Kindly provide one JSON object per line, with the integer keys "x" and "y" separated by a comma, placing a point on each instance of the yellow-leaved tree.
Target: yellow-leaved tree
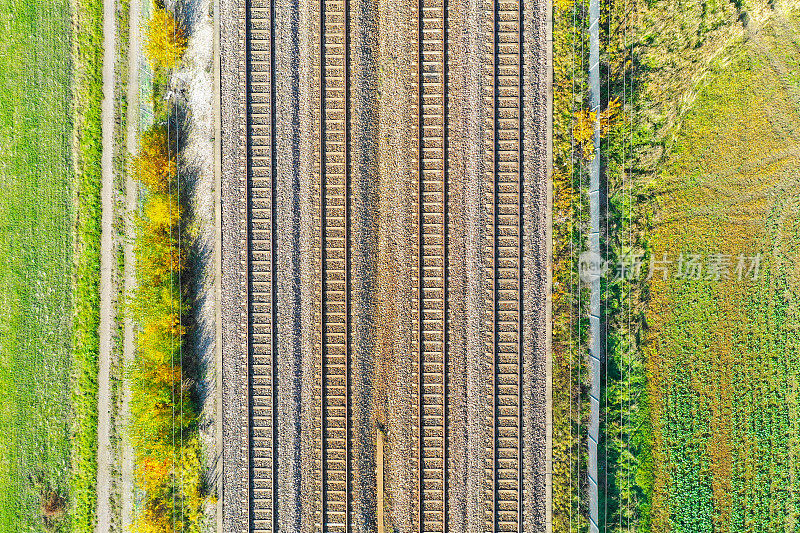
{"x": 155, "y": 165}
{"x": 583, "y": 127}
{"x": 163, "y": 212}
{"x": 166, "y": 40}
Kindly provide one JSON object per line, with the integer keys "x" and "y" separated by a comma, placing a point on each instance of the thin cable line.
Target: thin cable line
{"x": 172, "y": 296}
{"x": 630, "y": 241}
{"x": 581, "y": 231}
{"x": 624, "y": 371}
{"x": 571, "y": 276}
{"x": 580, "y": 307}
{"x": 624, "y": 405}
{"x": 603, "y": 316}
{"x": 180, "y": 292}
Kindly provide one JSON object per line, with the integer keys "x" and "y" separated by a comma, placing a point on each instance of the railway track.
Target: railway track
{"x": 432, "y": 315}
{"x": 335, "y": 216}
{"x": 261, "y": 195}
{"x": 323, "y": 461}
{"x": 508, "y": 256}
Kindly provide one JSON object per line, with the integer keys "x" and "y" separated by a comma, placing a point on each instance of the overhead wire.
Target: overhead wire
{"x": 629, "y": 129}
{"x": 625, "y": 408}
{"x": 572, "y": 260}
{"x": 624, "y": 370}
{"x": 180, "y": 279}
{"x": 578, "y": 281}
{"x": 602, "y": 315}
{"x": 170, "y": 179}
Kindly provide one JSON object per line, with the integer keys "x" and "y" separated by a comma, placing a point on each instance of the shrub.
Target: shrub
{"x": 163, "y": 212}
{"x": 155, "y": 166}
{"x": 166, "y": 40}
{"x": 583, "y": 130}
{"x": 53, "y": 508}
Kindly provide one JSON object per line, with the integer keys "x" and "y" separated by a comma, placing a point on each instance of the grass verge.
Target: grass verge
{"x": 88, "y": 46}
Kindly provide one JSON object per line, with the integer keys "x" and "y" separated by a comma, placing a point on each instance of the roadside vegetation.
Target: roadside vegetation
{"x": 570, "y": 400}
{"x": 165, "y": 408}
{"x": 698, "y": 401}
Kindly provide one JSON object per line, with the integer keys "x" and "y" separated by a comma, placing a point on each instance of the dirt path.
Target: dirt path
{"x": 107, "y": 246}
{"x": 131, "y": 204}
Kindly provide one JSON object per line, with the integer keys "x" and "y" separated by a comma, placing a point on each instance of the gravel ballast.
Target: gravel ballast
{"x": 383, "y": 261}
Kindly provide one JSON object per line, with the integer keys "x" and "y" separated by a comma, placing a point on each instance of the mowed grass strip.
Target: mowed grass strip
{"x": 722, "y": 354}
{"x": 36, "y": 263}
{"x": 88, "y": 51}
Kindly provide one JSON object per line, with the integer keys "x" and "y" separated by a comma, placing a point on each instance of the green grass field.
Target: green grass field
{"x": 36, "y": 229}
{"x": 49, "y": 264}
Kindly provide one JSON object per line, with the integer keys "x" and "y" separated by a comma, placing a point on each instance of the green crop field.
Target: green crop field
{"x": 722, "y": 355}
{"x": 36, "y": 257}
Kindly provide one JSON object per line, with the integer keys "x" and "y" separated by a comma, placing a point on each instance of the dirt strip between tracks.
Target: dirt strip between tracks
{"x": 234, "y": 309}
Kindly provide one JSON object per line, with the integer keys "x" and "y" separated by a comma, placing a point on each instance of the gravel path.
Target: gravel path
{"x": 107, "y": 262}
{"x": 298, "y": 263}
{"x": 537, "y": 164}
{"x": 469, "y": 210}
{"x": 364, "y": 241}
{"x": 292, "y": 161}
{"x": 195, "y": 82}
{"x": 396, "y": 268}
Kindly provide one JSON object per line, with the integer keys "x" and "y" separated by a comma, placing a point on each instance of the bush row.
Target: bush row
{"x": 164, "y": 405}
